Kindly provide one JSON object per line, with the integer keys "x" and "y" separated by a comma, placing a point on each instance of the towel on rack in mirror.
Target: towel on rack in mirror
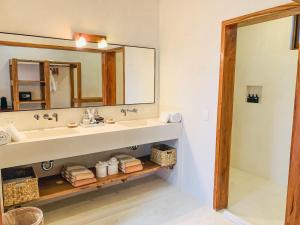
{"x": 53, "y": 85}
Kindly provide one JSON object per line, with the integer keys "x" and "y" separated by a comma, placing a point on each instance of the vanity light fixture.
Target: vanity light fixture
{"x": 102, "y": 44}
{"x": 82, "y": 40}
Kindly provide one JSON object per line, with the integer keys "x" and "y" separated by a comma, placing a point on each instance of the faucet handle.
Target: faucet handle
{"x": 55, "y": 115}
{"x": 124, "y": 112}
{"x": 134, "y": 110}
{"x": 47, "y": 117}
{"x": 36, "y": 116}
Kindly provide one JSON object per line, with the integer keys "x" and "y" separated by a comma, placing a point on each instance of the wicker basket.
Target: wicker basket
{"x": 19, "y": 186}
{"x": 24, "y": 216}
{"x": 163, "y": 155}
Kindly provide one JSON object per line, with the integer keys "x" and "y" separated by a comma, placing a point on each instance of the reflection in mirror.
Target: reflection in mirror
{"x": 36, "y": 76}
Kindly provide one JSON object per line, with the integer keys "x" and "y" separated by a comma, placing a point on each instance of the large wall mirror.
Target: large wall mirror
{"x": 49, "y": 73}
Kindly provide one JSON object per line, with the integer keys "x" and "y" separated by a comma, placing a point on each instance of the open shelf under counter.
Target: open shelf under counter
{"x": 55, "y": 187}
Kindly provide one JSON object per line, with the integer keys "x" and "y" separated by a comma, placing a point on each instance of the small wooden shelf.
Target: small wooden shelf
{"x": 33, "y": 102}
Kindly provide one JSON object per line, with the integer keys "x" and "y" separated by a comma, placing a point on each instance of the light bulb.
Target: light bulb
{"x": 102, "y": 43}
{"x": 81, "y": 42}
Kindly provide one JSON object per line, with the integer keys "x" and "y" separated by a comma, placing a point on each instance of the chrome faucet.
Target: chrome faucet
{"x": 134, "y": 110}
{"x": 124, "y": 112}
{"x": 55, "y": 115}
{"x": 47, "y": 117}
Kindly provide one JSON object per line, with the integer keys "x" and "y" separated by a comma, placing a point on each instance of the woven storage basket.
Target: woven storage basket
{"x": 19, "y": 186}
{"x": 24, "y": 216}
{"x": 163, "y": 155}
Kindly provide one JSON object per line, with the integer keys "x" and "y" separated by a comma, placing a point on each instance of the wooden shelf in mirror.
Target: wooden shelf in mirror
{"x": 32, "y": 82}
{"x": 33, "y": 102}
{"x": 26, "y": 61}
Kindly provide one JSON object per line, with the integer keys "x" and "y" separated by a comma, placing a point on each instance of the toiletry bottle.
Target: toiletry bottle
{"x": 249, "y": 98}
{"x": 3, "y": 103}
{"x": 86, "y": 118}
{"x": 256, "y": 99}
{"x": 253, "y": 98}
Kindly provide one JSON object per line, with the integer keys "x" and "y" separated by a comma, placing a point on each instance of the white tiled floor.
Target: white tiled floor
{"x": 146, "y": 201}
{"x": 255, "y": 199}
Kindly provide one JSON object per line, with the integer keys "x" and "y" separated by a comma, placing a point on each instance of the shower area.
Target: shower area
{"x": 264, "y": 94}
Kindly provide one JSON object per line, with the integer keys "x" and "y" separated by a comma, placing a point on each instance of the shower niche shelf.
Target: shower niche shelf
{"x": 254, "y": 94}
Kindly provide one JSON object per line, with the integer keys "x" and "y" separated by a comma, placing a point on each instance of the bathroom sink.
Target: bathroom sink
{"x": 138, "y": 123}
{"x": 44, "y": 133}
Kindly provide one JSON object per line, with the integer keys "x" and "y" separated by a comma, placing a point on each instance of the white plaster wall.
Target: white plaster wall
{"x": 261, "y": 137}
{"x": 133, "y": 22}
{"x": 129, "y": 22}
{"x": 190, "y": 34}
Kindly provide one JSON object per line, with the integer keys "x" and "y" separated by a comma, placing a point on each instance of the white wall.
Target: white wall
{"x": 190, "y": 34}
{"x": 133, "y": 22}
{"x": 261, "y": 135}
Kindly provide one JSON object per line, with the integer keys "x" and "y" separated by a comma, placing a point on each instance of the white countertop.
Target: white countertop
{"x": 59, "y": 143}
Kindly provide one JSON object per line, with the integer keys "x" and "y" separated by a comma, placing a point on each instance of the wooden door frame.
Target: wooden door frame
{"x": 225, "y": 112}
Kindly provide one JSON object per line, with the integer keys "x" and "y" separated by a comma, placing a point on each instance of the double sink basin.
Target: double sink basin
{"x": 65, "y": 131}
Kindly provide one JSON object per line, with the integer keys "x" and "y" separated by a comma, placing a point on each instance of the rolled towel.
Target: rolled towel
{"x": 170, "y": 117}
{"x": 164, "y": 117}
{"x": 14, "y": 133}
{"x": 175, "y": 117}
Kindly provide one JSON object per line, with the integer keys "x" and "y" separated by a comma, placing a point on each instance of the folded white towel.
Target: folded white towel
{"x": 164, "y": 117}
{"x": 14, "y": 133}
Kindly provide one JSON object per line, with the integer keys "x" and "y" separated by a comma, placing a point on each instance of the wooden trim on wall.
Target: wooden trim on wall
{"x": 293, "y": 196}
{"x": 225, "y": 113}
{"x": 274, "y": 13}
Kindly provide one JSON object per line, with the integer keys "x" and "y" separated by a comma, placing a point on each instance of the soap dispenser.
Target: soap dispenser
{"x": 86, "y": 118}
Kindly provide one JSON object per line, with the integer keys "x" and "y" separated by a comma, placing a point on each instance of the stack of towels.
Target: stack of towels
{"x": 129, "y": 164}
{"x": 78, "y": 175}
